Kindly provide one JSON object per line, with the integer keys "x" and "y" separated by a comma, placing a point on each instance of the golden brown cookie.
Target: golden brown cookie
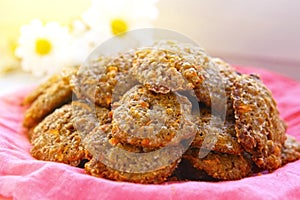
{"x": 259, "y": 128}
{"x": 162, "y": 71}
{"x": 290, "y": 150}
{"x": 189, "y": 52}
{"x": 104, "y": 80}
{"x": 41, "y": 89}
{"x": 215, "y": 134}
{"x": 219, "y": 165}
{"x": 147, "y": 119}
{"x": 47, "y": 97}
{"x": 58, "y": 137}
{"x": 128, "y": 164}
{"x": 217, "y": 86}
{"x": 218, "y": 76}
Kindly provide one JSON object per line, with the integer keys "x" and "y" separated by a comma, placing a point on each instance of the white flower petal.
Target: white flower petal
{"x": 136, "y": 14}
{"x": 59, "y": 55}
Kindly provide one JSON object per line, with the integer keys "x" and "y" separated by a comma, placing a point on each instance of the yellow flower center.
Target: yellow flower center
{"x": 118, "y": 26}
{"x": 43, "y": 46}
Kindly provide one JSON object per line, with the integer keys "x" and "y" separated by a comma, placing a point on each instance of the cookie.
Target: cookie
{"x": 59, "y": 136}
{"x": 216, "y": 89}
{"x": 162, "y": 71}
{"x": 47, "y": 97}
{"x": 218, "y": 76}
{"x": 219, "y": 165}
{"x": 147, "y": 119}
{"x": 290, "y": 150}
{"x": 192, "y": 53}
{"x": 259, "y": 128}
{"x": 128, "y": 163}
{"x": 104, "y": 80}
{"x": 215, "y": 134}
{"x": 30, "y": 98}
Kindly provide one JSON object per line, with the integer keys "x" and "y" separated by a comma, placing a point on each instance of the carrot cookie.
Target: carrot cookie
{"x": 104, "y": 80}
{"x": 128, "y": 164}
{"x": 162, "y": 71}
{"x": 215, "y": 134}
{"x": 220, "y": 166}
{"x": 58, "y": 137}
{"x": 47, "y": 97}
{"x": 259, "y": 128}
{"x": 151, "y": 120}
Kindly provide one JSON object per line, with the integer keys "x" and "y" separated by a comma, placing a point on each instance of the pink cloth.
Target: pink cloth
{"x": 23, "y": 177}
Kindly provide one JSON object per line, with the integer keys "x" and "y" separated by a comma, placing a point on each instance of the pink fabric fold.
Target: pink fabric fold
{"x": 23, "y": 177}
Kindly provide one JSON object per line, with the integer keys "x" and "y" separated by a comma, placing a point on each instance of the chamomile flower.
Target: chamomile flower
{"x": 44, "y": 48}
{"x": 116, "y": 17}
{"x": 82, "y": 44}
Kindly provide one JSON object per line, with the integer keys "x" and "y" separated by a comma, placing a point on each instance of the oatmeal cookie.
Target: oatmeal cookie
{"x": 58, "y": 137}
{"x": 104, "y": 80}
{"x": 130, "y": 163}
{"x": 47, "y": 97}
{"x": 192, "y": 53}
{"x": 215, "y": 134}
{"x": 217, "y": 86}
{"x": 218, "y": 76}
{"x": 147, "y": 119}
{"x": 259, "y": 128}
{"x": 162, "y": 71}
{"x": 30, "y": 98}
{"x": 220, "y": 166}
{"x": 290, "y": 150}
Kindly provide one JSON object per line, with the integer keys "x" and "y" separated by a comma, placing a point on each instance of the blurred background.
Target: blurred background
{"x": 260, "y": 33}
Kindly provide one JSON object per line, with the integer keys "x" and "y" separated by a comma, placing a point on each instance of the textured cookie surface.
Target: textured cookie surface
{"x": 50, "y": 95}
{"x": 128, "y": 163}
{"x": 59, "y": 136}
{"x": 161, "y": 71}
{"x": 144, "y": 118}
{"x": 218, "y": 76}
{"x": 215, "y": 134}
{"x": 290, "y": 150}
{"x": 104, "y": 80}
{"x": 258, "y": 125}
{"x": 219, "y": 165}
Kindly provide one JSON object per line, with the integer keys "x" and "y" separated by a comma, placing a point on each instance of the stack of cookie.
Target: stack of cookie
{"x": 159, "y": 113}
